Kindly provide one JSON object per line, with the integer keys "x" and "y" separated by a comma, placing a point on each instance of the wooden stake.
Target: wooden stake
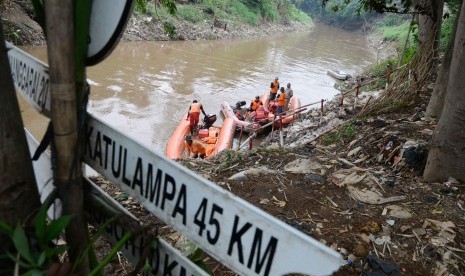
{"x": 67, "y": 175}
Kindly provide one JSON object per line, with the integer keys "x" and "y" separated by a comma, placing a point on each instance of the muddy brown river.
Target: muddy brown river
{"x": 143, "y": 88}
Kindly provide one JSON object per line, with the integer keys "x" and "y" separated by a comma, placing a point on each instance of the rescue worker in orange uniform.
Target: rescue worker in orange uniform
{"x": 274, "y": 89}
{"x": 255, "y": 103}
{"x": 281, "y": 101}
{"x": 193, "y": 114}
{"x": 260, "y": 115}
{"x": 194, "y": 148}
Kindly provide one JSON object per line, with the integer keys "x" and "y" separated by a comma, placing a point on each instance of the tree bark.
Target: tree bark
{"x": 429, "y": 28}
{"x": 447, "y": 151}
{"x": 19, "y": 197}
{"x": 436, "y": 102}
{"x": 67, "y": 175}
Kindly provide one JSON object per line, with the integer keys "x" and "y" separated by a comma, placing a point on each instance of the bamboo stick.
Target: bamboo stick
{"x": 67, "y": 174}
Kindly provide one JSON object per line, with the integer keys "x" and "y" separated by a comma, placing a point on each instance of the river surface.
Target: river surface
{"x": 144, "y": 88}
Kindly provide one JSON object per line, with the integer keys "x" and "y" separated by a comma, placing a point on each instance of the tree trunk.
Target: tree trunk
{"x": 67, "y": 175}
{"x": 429, "y": 28}
{"x": 429, "y": 25}
{"x": 446, "y": 156}
{"x": 19, "y": 197}
{"x": 436, "y": 101}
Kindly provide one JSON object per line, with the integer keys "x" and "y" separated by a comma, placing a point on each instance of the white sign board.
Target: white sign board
{"x": 44, "y": 175}
{"x": 162, "y": 258}
{"x": 31, "y": 77}
{"x": 240, "y": 235}
{"x": 107, "y": 22}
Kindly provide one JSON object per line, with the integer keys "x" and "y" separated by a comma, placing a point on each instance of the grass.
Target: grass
{"x": 235, "y": 12}
{"x": 190, "y": 13}
{"x": 396, "y": 33}
{"x": 229, "y": 158}
{"x": 395, "y": 28}
{"x": 245, "y": 14}
{"x": 300, "y": 16}
{"x": 343, "y": 133}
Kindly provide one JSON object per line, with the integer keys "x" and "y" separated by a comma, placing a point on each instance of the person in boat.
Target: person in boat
{"x": 193, "y": 114}
{"x": 194, "y": 149}
{"x": 254, "y": 104}
{"x": 260, "y": 115}
{"x": 272, "y": 107}
{"x": 289, "y": 94}
{"x": 281, "y": 101}
{"x": 274, "y": 87}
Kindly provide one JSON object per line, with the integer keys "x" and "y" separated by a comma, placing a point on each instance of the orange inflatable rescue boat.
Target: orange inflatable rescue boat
{"x": 213, "y": 138}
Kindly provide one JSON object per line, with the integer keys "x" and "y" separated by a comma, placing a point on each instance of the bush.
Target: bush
{"x": 380, "y": 71}
{"x": 269, "y": 11}
{"x": 396, "y": 33}
{"x": 300, "y": 16}
{"x": 244, "y": 14}
{"x": 210, "y": 10}
{"x": 446, "y": 32}
{"x": 394, "y": 19}
{"x": 220, "y": 4}
{"x": 190, "y": 13}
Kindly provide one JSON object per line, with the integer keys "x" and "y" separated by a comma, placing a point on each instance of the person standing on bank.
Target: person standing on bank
{"x": 289, "y": 94}
{"x": 281, "y": 101}
{"x": 193, "y": 114}
{"x": 274, "y": 89}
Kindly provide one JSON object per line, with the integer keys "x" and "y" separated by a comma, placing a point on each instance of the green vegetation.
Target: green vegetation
{"x": 190, "y": 13}
{"x": 344, "y": 133}
{"x": 35, "y": 258}
{"x": 346, "y": 14}
{"x": 446, "y": 32}
{"x": 229, "y": 158}
{"x": 396, "y": 32}
{"x": 300, "y": 16}
{"x": 232, "y": 12}
{"x": 240, "y": 10}
{"x": 11, "y": 32}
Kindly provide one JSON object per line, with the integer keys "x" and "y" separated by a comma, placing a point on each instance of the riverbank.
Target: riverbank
{"x": 352, "y": 182}
{"x": 21, "y": 29}
{"x": 355, "y": 184}
{"x": 146, "y": 28}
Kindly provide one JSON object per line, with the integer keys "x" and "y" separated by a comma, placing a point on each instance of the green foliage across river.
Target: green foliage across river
{"x": 234, "y": 12}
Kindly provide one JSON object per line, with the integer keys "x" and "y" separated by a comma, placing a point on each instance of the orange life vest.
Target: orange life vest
{"x": 275, "y": 87}
{"x": 282, "y": 99}
{"x": 195, "y": 107}
{"x": 196, "y": 147}
{"x": 255, "y": 104}
{"x": 210, "y": 140}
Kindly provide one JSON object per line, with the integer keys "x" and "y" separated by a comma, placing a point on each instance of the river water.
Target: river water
{"x": 143, "y": 88}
